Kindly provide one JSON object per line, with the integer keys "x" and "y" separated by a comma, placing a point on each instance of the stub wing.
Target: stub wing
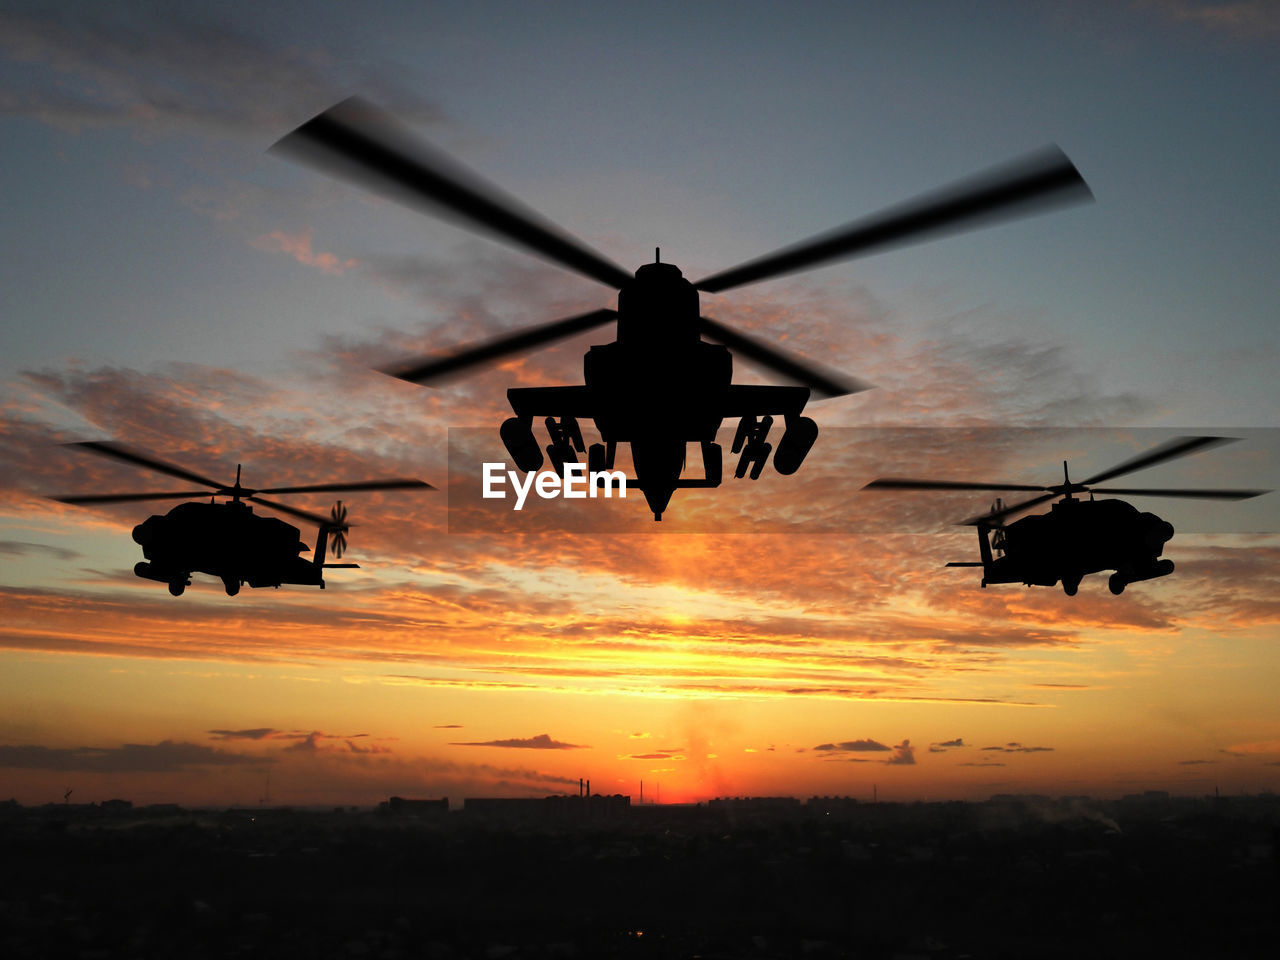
{"x": 558, "y": 402}
{"x": 749, "y": 400}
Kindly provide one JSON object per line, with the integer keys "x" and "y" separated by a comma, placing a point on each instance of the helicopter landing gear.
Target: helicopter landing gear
{"x": 232, "y": 585}
{"x": 176, "y": 587}
{"x": 1116, "y": 584}
{"x": 1070, "y": 585}
{"x": 566, "y": 441}
{"x": 750, "y": 441}
{"x": 600, "y": 457}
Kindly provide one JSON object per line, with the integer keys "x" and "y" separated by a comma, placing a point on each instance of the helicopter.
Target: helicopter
{"x": 228, "y": 540}
{"x": 659, "y": 385}
{"x": 1077, "y": 537}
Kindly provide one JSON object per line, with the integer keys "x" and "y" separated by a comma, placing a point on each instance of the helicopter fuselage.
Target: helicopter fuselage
{"x": 658, "y": 387}
{"x": 1077, "y": 538}
{"x": 224, "y": 540}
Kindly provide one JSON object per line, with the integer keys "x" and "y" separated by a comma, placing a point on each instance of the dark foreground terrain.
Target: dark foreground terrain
{"x": 743, "y": 879}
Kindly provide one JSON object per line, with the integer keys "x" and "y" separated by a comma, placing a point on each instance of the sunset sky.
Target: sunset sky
{"x": 170, "y": 284}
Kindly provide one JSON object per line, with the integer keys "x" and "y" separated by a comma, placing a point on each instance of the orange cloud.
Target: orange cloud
{"x": 298, "y": 246}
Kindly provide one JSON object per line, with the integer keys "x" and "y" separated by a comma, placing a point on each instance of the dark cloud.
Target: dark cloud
{"x": 972, "y": 763}
{"x": 448, "y": 726}
{"x": 308, "y": 744}
{"x": 257, "y": 733}
{"x": 167, "y": 756}
{"x": 904, "y": 755}
{"x": 1194, "y": 763}
{"x": 1017, "y": 748}
{"x": 654, "y": 756}
{"x": 541, "y": 742}
{"x": 21, "y": 548}
{"x": 100, "y": 65}
{"x": 946, "y": 745}
{"x": 856, "y": 746}
{"x": 354, "y": 747}
{"x": 311, "y": 743}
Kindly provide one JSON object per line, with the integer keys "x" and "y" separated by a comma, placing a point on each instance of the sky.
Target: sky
{"x": 168, "y": 283}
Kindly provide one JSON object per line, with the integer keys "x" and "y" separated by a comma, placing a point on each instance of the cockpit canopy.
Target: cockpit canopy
{"x": 659, "y": 306}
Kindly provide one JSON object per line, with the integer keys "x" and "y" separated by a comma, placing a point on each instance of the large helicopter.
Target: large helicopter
{"x": 659, "y": 385}
{"x": 228, "y": 540}
{"x": 1077, "y": 536}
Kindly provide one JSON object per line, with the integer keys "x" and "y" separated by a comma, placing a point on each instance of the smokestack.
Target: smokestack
{"x": 579, "y": 788}
{"x": 642, "y": 791}
{"x": 588, "y": 789}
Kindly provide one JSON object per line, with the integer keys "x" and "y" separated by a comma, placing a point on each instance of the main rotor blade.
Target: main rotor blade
{"x": 902, "y": 483}
{"x": 359, "y": 485}
{"x": 356, "y": 141}
{"x": 1169, "y": 450}
{"x": 117, "y": 451}
{"x": 823, "y": 383}
{"x": 285, "y": 508}
{"x": 993, "y": 515}
{"x": 1025, "y": 186}
{"x": 127, "y": 497}
{"x": 438, "y": 368}
{"x": 1202, "y": 494}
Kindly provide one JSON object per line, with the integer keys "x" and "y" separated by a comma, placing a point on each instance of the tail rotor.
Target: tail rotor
{"x": 337, "y": 529}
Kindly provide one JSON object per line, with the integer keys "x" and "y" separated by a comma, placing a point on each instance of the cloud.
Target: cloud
{"x": 257, "y": 733}
{"x": 21, "y": 548}
{"x": 375, "y": 748}
{"x": 541, "y": 742}
{"x": 1254, "y": 748}
{"x": 1242, "y": 19}
{"x": 448, "y": 726}
{"x": 946, "y": 745}
{"x": 903, "y": 755}
{"x": 714, "y": 617}
{"x": 972, "y": 763}
{"x": 97, "y": 66}
{"x": 298, "y": 246}
{"x": 1193, "y": 763}
{"x": 1017, "y": 748}
{"x": 314, "y": 743}
{"x": 857, "y": 746}
{"x": 167, "y": 756}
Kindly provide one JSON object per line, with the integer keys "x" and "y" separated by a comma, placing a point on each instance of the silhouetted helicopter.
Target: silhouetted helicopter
{"x": 1077, "y": 537}
{"x": 659, "y": 385}
{"x": 228, "y": 540}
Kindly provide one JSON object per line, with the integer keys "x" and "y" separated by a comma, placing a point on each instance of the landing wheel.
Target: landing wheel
{"x": 176, "y": 587}
{"x": 1070, "y": 586}
{"x": 231, "y": 585}
{"x": 1116, "y": 584}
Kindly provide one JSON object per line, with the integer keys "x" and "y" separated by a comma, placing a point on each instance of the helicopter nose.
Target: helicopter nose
{"x": 657, "y": 498}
